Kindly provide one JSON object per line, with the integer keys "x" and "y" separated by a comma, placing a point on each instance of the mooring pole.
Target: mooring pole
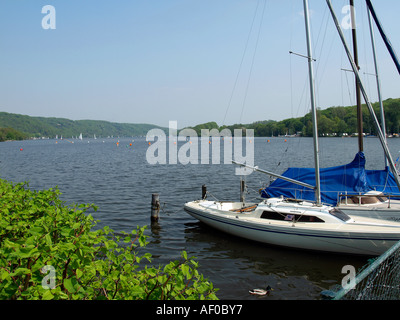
{"x": 155, "y": 206}
{"x": 242, "y": 189}
{"x": 203, "y": 192}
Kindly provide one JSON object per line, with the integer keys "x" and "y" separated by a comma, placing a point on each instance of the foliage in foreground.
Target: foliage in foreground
{"x": 48, "y": 250}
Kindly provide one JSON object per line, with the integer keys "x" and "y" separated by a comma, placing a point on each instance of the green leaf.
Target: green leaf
{"x": 36, "y": 231}
{"x": 79, "y": 273}
{"x": 68, "y": 284}
{"x": 151, "y": 272}
{"x": 66, "y": 232}
{"x": 184, "y": 255}
{"x": 21, "y": 271}
{"x": 76, "y": 225}
{"x": 47, "y": 295}
{"x": 48, "y": 239}
{"x": 5, "y": 275}
{"x": 185, "y": 270}
{"x": 27, "y": 252}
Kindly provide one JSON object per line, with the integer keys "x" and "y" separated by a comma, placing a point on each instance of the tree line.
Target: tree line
{"x": 11, "y": 134}
{"x": 32, "y": 127}
{"x": 333, "y": 121}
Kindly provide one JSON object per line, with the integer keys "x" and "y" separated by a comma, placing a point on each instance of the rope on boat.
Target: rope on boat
{"x": 162, "y": 208}
{"x": 215, "y": 198}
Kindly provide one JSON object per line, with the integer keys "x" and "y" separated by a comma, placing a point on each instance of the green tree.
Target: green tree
{"x": 325, "y": 125}
{"x": 11, "y": 134}
{"x": 341, "y": 127}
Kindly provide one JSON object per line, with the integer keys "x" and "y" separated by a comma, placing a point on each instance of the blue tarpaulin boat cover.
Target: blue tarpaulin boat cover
{"x": 351, "y": 178}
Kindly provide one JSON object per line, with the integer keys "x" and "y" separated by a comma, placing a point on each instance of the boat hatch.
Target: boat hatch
{"x": 273, "y": 215}
{"x": 339, "y": 214}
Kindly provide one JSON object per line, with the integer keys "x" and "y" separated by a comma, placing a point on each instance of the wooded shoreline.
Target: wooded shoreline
{"x": 333, "y": 122}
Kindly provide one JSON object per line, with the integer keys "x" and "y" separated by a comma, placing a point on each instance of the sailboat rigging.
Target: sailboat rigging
{"x": 378, "y": 83}
{"x": 382, "y": 138}
{"x": 313, "y": 108}
{"x": 299, "y": 224}
{"x": 351, "y": 182}
{"x": 388, "y": 44}
{"x": 358, "y": 91}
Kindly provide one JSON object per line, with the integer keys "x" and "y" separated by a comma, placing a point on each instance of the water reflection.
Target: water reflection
{"x": 293, "y": 274}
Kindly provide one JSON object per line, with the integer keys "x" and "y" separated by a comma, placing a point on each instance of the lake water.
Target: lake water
{"x": 119, "y": 180}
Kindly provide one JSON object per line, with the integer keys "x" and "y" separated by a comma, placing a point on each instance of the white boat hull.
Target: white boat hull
{"x": 378, "y": 212}
{"x": 324, "y": 237}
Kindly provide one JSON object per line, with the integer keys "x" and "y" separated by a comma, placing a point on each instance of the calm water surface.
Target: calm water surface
{"x": 118, "y": 179}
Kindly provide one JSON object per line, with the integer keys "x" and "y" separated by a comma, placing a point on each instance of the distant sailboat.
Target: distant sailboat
{"x": 80, "y": 137}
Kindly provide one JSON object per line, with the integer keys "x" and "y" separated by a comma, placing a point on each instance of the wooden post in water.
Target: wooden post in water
{"x": 242, "y": 190}
{"x": 203, "y": 192}
{"x": 155, "y": 206}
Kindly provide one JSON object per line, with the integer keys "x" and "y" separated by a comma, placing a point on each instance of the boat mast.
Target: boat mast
{"x": 385, "y": 39}
{"x": 378, "y": 83}
{"x": 358, "y": 91}
{"x": 364, "y": 93}
{"x": 313, "y": 109}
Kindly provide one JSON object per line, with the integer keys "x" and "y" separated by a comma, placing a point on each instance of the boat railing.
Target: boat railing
{"x": 345, "y": 198}
{"x": 362, "y": 198}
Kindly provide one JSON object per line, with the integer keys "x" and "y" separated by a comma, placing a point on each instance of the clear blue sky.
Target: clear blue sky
{"x": 151, "y": 61}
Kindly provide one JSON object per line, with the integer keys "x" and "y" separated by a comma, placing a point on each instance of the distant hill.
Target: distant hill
{"x": 50, "y": 127}
{"x": 333, "y": 121}
{"x": 207, "y": 125}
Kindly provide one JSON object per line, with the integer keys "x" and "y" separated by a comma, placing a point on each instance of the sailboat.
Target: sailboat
{"x": 299, "y": 224}
{"x": 352, "y": 188}
{"x": 375, "y": 203}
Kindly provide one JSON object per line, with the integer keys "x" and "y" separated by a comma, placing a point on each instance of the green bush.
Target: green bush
{"x": 49, "y": 250}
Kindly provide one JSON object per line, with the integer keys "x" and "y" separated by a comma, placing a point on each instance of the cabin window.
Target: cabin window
{"x": 339, "y": 214}
{"x": 272, "y": 215}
